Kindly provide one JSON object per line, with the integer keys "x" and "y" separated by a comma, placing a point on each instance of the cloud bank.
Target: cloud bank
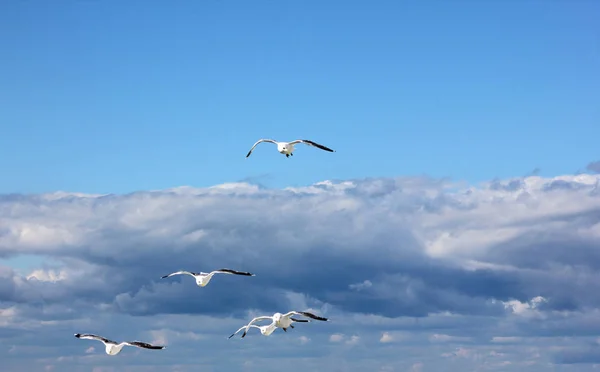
{"x": 416, "y": 274}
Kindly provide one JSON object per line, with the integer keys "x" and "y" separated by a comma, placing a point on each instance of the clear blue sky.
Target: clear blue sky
{"x": 117, "y": 96}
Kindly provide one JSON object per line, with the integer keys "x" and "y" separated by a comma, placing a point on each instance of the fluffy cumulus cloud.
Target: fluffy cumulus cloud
{"x": 416, "y": 274}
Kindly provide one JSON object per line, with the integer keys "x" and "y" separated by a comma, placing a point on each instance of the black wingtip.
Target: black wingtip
{"x": 77, "y": 335}
{"x": 319, "y": 145}
{"x": 230, "y": 271}
{"x": 314, "y": 316}
{"x": 301, "y": 320}
{"x": 164, "y": 276}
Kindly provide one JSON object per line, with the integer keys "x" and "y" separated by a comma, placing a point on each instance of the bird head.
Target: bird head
{"x": 266, "y": 330}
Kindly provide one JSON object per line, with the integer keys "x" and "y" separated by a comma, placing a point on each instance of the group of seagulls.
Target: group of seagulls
{"x": 277, "y": 320}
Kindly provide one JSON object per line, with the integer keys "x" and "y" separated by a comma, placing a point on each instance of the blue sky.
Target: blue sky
{"x": 111, "y": 96}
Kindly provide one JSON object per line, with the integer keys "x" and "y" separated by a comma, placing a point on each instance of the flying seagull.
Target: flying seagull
{"x": 202, "y": 278}
{"x": 265, "y": 330}
{"x": 284, "y": 321}
{"x": 112, "y": 348}
{"x": 287, "y": 148}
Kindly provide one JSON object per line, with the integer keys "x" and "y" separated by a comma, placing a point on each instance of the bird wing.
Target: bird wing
{"x": 238, "y": 331}
{"x": 250, "y": 324}
{"x": 259, "y": 141}
{"x": 259, "y": 318}
{"x": 308, "y": 315}
{"x": 311, "y": 143}
{"x": 245, "y": 328}
{"x": 229, "y": 271}
{"x": 181, "y": 272}
{"x": 89, "y": 336}
{"x": 144, "y": 345}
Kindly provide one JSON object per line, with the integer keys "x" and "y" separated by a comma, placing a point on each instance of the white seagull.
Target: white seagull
{"x": 112, "y": 348}
{"x": 265, "y": 330}
{"x": 287, "y": 148}
{"x": 202, "y": 278}
{"x": 284, "y": 321}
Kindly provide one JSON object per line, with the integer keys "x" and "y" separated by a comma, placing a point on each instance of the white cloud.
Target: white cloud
{"x": 499, "y": 339}
{"x": 417, "y": 367}
{"x": 386, "y": 337}
{"x": 340, "y": 337}
{"x": 337, "y": 337}
{"x": 48, "y": 275}
{"x": 460, "y": 352}
{"x": 361, "y": 286}
{"x": 420, "y": 260}
{"x": 353, "y": 340}
{"x": 447, "y": 338}
{"x": 303, "y": 340}
{"x": 525, "y": 309}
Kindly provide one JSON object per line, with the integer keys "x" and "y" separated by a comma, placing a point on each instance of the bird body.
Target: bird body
{"x": 113, "y": 348}
{"x": 283, "y": 322}
{"x": 202, "y": 278}
{"x": 287, "y": 148}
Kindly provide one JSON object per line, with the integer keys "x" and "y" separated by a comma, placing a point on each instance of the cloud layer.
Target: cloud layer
{"x": 415, "y": 274}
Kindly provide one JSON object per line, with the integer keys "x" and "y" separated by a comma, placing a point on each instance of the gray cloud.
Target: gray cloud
{"x": 446, "y": 266}
{"x": 594, "y": 166}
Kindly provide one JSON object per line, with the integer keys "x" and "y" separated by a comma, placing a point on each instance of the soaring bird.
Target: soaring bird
{"x": 112, "y": 348}
{"x": 287, "y": 148}
{"x": 202, "y": 278}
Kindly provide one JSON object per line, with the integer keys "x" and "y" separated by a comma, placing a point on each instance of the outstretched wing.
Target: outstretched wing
{"x": 250, "y": 325}
{"x": 144, "y": 345}
{"x": 311, "y": 143}
{"x": 181, "y": 272}
{"x": 245, "y": 328}
{"x": 308, "y": 315}
{"x": 89, "y": 336}
{"x": 259, "y": 141}
{"x": 238, "y": 331}
{"x": 229, "y": 271}
{"x": 259, "y": 318}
